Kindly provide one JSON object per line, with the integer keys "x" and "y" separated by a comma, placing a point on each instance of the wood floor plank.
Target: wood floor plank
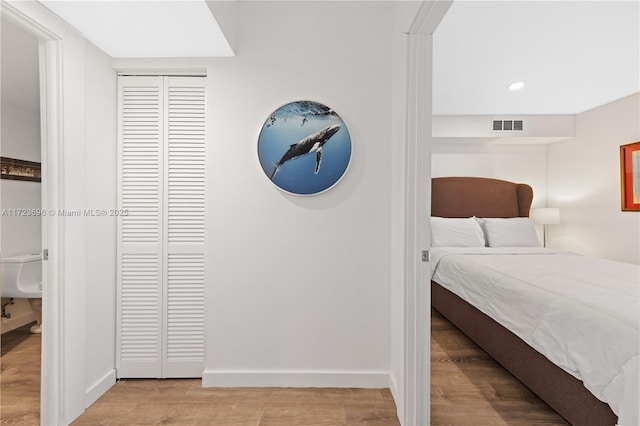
{"x": 469, "y": 388}
{"x": 20, "y": 377}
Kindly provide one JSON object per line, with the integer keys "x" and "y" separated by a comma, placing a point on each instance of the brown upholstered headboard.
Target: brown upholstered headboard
{"x": 480, "y": 197}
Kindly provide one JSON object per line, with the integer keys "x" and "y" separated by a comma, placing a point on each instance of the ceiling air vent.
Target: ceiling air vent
{"x": 507, "y": 125}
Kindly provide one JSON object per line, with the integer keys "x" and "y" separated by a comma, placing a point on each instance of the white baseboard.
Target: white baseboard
{"x": 297, "y": 379}
{"x": 98, "y": 389}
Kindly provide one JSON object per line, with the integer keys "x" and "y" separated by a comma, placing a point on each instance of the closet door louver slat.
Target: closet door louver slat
{"x": 185, "y": 310}
{"x": 186, "y": 171}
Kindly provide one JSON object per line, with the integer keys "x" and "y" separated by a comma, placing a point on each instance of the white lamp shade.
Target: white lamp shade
{"x": 546, "y": 216}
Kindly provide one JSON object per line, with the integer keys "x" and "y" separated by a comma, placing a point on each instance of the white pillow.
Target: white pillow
{"x": 453, "y": 232}
{"x": 514, "y": 232}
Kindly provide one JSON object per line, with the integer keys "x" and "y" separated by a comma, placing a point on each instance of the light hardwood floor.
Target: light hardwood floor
{"x": 20, "y": 377}
{"x": 469, "y": 388}
{"x": 185, "y": 402}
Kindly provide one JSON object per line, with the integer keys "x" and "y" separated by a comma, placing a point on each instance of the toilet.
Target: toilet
{"x": 22, "y": 278}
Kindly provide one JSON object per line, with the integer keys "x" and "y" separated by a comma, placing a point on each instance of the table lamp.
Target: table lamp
{"x": 546, "y": 216}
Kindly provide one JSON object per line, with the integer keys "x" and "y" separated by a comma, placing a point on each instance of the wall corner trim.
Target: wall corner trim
{"x": 396, "y": 393}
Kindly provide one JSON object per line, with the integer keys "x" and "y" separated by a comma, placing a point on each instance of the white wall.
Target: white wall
{"x": 584, "y": 182}
{"x": 20, "y": 132}
{"x": 21, "y": 140}
{"x": 101, "y": 192}
{"x": 516, "y": 163}
{"x": 224, "y": 13}
{"x": 298, "y": 287}
{"x": 540, "y": 127}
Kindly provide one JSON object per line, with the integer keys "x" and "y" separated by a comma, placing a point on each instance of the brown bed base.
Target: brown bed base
{"x": 560, "y": 390}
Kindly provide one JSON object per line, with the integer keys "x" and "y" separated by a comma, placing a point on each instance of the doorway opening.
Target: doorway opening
{"x": 21, "y": 203}
{"x": 48, "y": 71}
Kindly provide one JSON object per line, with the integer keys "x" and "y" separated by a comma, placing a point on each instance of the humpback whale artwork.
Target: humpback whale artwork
{"x": 308, "y": 145}
{"x": 304, "y": 148}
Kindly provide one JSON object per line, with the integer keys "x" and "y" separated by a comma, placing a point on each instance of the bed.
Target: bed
{"x": 528, "y": 336}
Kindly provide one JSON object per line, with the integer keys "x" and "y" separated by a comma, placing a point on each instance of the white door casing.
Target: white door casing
{"x": 418, "y": 210}
{"x": 54, "y": 377}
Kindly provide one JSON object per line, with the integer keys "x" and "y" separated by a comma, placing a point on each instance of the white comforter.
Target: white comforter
{"x": 582, "y": 313}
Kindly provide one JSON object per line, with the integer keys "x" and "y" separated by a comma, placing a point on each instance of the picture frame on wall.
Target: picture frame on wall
{"x": 630, "y": 176}
{"x": 14, "y": 169}
{"x": 304, "y": 148}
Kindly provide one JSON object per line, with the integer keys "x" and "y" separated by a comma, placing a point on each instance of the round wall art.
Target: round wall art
{"x": 304, "y": 147}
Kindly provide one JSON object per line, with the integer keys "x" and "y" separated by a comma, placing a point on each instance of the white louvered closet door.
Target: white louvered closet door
{"x": 184, "y": 226}
{"x": 160, "y": 330}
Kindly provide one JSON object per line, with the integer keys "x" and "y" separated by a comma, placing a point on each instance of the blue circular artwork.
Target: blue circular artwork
{"x": 304, "y": 147}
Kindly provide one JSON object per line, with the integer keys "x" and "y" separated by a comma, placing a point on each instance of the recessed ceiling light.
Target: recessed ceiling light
{"x": 517, "y": 85}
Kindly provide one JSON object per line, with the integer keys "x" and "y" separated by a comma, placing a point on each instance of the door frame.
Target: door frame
{"x": 52, "y": 386}
{"x": 418, "y": 96}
